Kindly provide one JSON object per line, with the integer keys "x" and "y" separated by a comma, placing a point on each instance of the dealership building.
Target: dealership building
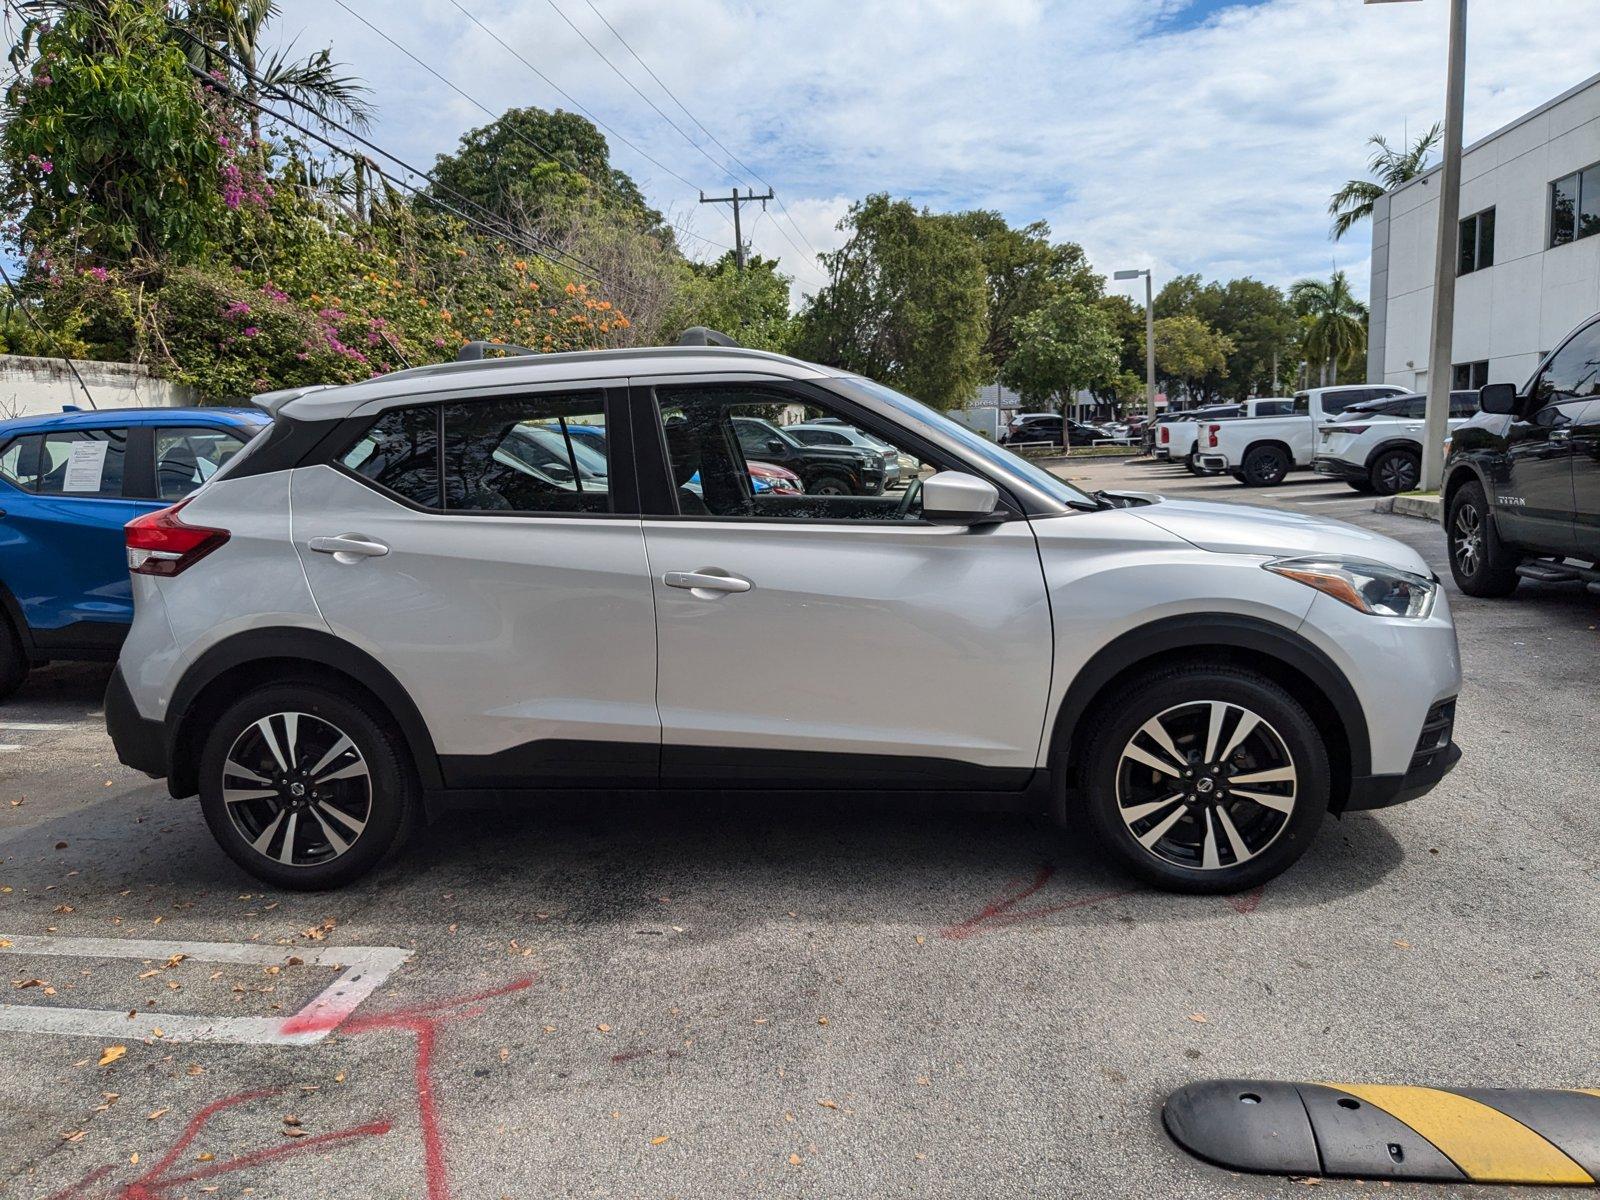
{"x": 1527, "y": 251}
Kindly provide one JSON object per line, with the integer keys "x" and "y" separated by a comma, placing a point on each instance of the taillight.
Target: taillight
{"x": 161, "y": 543}
{"x": 1165, "y": 434}
{"x": 1211, "y": 435}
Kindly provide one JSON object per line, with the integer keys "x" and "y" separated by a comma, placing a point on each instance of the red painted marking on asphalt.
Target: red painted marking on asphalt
{"x": 1002, "y": 910}
{"x": 155, "y": 1183}
{"x": 422, "y": 1022}
{"x": 1247, "y": 902}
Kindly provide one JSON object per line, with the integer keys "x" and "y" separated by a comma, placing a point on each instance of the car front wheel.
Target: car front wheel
{"x": 305, "y": 787}
{"x": 13, "y": 659}
{"x": 1479, "y": 562}
{"x": 1205, "y": 779}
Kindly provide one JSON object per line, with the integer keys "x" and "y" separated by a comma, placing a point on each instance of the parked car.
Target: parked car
{"x": 837, "y": 433}
{"x": 1377, "y": 446}
{"x": 1261, "y": 451}
{"x": 1179, "y": 437}
{"x": 1522, "y": 478}
{"x": 327, "y": 645}
{"x": 69, "y": 482}
{"x": 1152, "y": 434}
{"x": 824, "y": 470}
{"x": 1046, "y": 427}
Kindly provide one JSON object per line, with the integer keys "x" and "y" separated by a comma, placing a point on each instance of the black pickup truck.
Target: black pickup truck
{"x": 1522, "y": 479}
{"x": 824, "y": 470}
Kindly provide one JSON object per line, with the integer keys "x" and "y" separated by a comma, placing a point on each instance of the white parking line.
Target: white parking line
{"x": 33, "y": 726}
{"x": 10, "y": 749}
{"x": 364, "y": 970}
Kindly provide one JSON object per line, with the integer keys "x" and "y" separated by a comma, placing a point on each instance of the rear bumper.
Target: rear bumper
{"x": 1338, "y": 468}
{"x": 140, "y": 743}
{"x": 1214, "y": 462}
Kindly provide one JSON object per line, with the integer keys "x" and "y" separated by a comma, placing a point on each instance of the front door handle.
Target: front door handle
{"x": 705, "y": 581}
{"x": 1561, "y": 435}
{"x": 347, "y": 547}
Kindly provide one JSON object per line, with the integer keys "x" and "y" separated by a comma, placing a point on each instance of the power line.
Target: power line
{"x": 715, "y": 140}
{"x": 569, "y": 97}
{"x": 34, "y": 321}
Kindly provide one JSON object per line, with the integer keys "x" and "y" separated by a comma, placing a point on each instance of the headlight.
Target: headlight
{"x": 1368, "y": 587}
{"x": 1448, "y": 442}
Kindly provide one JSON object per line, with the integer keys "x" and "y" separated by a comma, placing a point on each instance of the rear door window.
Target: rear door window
{"x": 187, "y": 456}
{"x": 518, "y": 455}
{"x": 82, "y": 462}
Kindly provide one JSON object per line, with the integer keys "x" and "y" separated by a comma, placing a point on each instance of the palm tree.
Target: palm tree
{"x": 1353, "y": 202}
{"x": 1333, "y": 323}
{"x": 236, "y": 28}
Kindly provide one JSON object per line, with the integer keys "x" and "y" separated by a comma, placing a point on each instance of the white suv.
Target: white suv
{"x": 378, "y": 610}
{"x": 1377, "y": 446}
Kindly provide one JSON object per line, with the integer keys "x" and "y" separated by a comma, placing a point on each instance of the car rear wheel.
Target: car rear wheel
{"x": 1479, "y": 562}
{"x": 1265, "y": 466}
{"x": 306, "y": 788}
{"x": 13, "y": 659}
{"x": 1205, "y": 779}
{"x": 1396, "y": 471}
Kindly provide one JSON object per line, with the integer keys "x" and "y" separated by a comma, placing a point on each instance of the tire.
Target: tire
{"x": 1364, "y": 486}
{"x": 830, "y": 485}
{"x": 13, "y": 659}
{"x": 1182, "y": 856}
{"x": 1479, "y": 561}
{"x": 368, "y": 802}
{"x": 1396, "y": 471}
{"x": 1264, "y": 466}
{"x": 1239, "y": 476}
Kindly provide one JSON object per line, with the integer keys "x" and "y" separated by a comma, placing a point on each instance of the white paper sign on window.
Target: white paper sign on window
{"x": 85, "y": 467}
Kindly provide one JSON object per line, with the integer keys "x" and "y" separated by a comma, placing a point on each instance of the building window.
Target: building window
{"x": 1469, "y": 376}
{"x": 1575, "y": 206}
{"x": 1477, "y": 243}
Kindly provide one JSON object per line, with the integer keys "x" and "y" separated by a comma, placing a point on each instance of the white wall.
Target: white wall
{"x": 30, "y": 386}
{"x": 1522, "y": 306}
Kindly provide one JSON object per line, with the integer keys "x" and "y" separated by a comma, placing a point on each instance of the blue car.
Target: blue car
{"x": 69, "y": 482}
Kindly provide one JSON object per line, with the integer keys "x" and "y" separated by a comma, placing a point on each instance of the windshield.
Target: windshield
{"x": 979, "y": 447}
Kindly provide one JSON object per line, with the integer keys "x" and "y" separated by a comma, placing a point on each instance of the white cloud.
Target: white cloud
{"x": 1209, "y": 148}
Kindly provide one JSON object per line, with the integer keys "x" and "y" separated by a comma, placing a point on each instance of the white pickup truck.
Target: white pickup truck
{"x": 1260, "y": 451}
{"x": 1183, "y": 433}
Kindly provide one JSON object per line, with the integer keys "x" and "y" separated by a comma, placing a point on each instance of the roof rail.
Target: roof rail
{"x": 699, "y": 335}
{"x": 473, "y": 351}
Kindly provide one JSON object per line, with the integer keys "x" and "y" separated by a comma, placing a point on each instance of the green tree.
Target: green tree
{"x": 1126, "y": 320}
{"x": 1333, "y": 323}
{"x": 531, "y": 168}
{"x": 1187, "y": 350}
{"x": 109, "y": 149}
{"x": 1353, "y": 203}
{"x": 750, "y": 306}
{"x": 1065, "y": 346}
{"x": 1024, "y": 270}
{"x": 1260, "y": 323}
{"x": 906, "y": 303}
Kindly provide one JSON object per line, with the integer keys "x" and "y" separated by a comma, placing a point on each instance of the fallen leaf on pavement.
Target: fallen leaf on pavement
{"x": 656, "y": 1141}
{"x": 828, "y": 1103}
{"x": 1199, "y": 1018}
{"x": 72, "y": 1135}
{"x": 110, "y": 1055}
{"x": 603, "y": 1028}
{"x": 794, "y": 1160}
{"x": 205, "y": 1156}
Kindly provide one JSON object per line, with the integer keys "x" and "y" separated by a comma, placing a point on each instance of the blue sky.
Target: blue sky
{"x": 1189, "y": 135}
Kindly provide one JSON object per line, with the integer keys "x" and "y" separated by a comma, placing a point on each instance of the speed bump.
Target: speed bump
{"x": 1382, "y": 1131}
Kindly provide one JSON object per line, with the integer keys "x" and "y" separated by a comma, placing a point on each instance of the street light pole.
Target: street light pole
{"x": 1441, "y": 343}
{"x": 1149, "y": 339}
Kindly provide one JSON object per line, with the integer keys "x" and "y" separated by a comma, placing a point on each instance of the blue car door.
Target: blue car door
{"x": 61, "y": 537}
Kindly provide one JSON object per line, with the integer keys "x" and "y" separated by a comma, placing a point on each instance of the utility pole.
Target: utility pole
{"x": 1149, "y": 339}
{"x": 736, "y": 200}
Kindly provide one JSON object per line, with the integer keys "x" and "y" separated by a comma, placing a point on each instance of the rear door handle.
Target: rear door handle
{"x": 705, "y": 581}
{"x": 352, "y": 545}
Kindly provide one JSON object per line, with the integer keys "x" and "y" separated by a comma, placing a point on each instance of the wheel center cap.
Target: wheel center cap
{"x": 1204, "y": 786}
{"x": 297, "y": 789}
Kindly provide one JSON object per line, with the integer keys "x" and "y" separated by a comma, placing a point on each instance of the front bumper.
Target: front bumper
{"x": 1435, "y": 757}
{"x": 140, "y": 743}
{"x": 1338, "y": 468}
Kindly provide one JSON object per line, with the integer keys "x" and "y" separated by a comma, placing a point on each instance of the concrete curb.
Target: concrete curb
{"x": 1427, "y": 508}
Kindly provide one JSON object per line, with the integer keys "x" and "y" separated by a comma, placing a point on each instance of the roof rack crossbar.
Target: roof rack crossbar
{"x": 473, "y": 351}
{"x": 699, "y": 335}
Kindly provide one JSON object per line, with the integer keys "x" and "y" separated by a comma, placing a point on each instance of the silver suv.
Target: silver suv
{"x": 389, "y": 603}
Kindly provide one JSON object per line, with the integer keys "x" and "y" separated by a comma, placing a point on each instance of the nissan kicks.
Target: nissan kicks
{"x": 381, "y": 608}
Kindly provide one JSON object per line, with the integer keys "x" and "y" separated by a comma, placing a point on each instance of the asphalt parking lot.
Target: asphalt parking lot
{"x": 700, "y": 999}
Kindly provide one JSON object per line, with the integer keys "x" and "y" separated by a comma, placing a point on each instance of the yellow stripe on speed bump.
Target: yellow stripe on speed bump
{"x": 1487, "y": 1145}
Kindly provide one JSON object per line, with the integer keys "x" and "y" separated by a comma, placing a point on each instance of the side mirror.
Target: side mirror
{"x": 1498, "y": 398}
{"x": 955, "y": 498}
{"x": 774, "y": 446}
